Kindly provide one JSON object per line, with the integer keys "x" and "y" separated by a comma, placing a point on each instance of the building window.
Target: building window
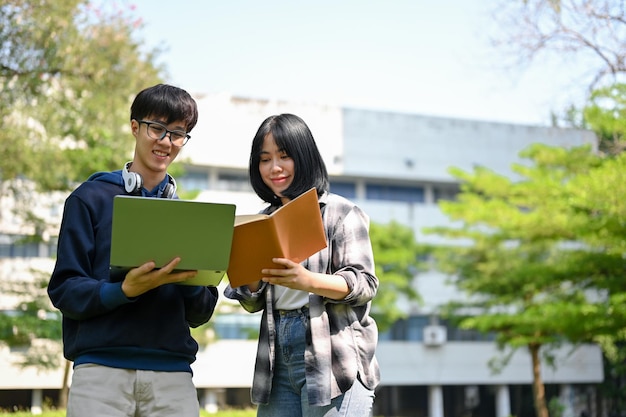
{"x": 412, "y": 329}
{"x": 395, "y": 193}
{"x": 409, "y": 329}
{"x": 233, "y": 182}
{"x": 345, "y": 189}
{"x": 448, "y": 193}
{"x": 469, "y": 335}
{"x": 51, "y": 246}
{"x": 237, "y": 326}
{"x": 15, "y": 246}
{"x": 194, "y": 181}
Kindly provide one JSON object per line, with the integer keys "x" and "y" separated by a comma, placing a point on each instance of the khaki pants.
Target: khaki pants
{"x": 100, "y": 391}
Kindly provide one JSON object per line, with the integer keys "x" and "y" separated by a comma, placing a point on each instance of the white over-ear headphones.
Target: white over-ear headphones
{"x": 133, "y": 183}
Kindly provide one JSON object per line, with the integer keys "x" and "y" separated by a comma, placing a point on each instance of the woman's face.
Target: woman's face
{"x": 275, "y": 166}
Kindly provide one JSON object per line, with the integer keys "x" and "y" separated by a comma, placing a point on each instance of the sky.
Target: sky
{"x": 427, "y": 57}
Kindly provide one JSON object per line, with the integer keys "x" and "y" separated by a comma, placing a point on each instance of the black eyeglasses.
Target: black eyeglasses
{"x": 158, "y": 131}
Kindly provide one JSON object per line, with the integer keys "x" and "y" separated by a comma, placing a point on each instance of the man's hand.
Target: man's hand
{"x": 145, "y": 277}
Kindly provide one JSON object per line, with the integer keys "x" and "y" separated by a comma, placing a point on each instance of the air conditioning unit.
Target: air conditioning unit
{"x": 435, "y": 335}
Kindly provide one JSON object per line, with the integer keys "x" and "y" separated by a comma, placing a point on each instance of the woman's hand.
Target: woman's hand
{"x": 292, "y": 275}
{"x": 295, "y": 276}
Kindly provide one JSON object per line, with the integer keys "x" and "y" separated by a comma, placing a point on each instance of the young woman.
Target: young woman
{"x": 317, "y": 342}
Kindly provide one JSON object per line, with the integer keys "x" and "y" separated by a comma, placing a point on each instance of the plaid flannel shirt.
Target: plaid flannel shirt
{"x": 343, "y": 327}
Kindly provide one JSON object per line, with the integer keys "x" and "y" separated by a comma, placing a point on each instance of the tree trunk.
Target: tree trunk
{"x": 541, "y": 408}
{"x": 64, "y": 386}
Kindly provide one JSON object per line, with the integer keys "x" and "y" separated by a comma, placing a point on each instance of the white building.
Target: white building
{"x": 394, "y": 166}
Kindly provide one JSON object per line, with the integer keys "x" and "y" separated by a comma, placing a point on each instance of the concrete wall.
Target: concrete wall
{"x": 408, "y": 146}
{"x": 370, "y": 143}
{"x": 226, "y": 126}
{"x": 230, "y": 364}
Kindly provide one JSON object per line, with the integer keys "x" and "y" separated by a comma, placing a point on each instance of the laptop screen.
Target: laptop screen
{"x": 160, "y": 229}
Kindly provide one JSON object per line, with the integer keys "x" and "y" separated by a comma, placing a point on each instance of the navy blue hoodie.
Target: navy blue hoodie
{"x": 100, "y": 324}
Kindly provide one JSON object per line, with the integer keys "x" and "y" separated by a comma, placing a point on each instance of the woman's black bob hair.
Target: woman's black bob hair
{"x": 293, "y": 136}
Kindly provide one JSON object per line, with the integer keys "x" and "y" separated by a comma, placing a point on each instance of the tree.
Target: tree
{"x": 397, "y": 257}
{"x": 541, "y": 257}
{"x": 605, "y": 114}
{"x": 34, "y": 324}
{"x": 590, "y": 29}
{"x": 593, "y": 31}
{"x": 596, "y": 195}
{"x": 590, "y": 33}
{"x": 68, "y": 73}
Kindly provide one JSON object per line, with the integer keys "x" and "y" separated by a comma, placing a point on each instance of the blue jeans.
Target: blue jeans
{"x": 289, "y": 394}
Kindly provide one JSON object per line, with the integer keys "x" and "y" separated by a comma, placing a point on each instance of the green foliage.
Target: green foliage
{"x": 541, "y": 258}
{"x": 605, "y": 114}
{"x": 556, "y": 408}
{"x": 203, "y": 413}
{"x": 230, "y": 413}
{"x": 397, "y": 258}
{"x": 69, "y": 72}
{"x": 33, "y": 319}
{"x": 53, "y": 413}
{"x": 535, "y": 249}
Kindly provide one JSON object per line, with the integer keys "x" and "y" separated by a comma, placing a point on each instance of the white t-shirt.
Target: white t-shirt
{"x": 289, "y": 299}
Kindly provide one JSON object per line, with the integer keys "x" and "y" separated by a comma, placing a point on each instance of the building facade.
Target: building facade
{"x": 394, "y": 166}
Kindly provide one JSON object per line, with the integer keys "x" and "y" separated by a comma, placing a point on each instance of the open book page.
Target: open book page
{"x": 294, "y": 231}
{"x": 299, "y": 228}
{"x": 247, "y": 218}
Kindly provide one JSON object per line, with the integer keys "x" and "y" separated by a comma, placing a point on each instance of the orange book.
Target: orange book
{"x": 294, "y": 231}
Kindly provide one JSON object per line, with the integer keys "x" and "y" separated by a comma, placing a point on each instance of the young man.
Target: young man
{"x": 128, "y": 334}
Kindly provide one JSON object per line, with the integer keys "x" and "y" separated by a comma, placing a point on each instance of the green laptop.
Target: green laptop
{"x": 160, "y": 229}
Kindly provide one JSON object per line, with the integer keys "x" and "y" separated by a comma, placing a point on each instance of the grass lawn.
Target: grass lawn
{"x": 226, "y": 413}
